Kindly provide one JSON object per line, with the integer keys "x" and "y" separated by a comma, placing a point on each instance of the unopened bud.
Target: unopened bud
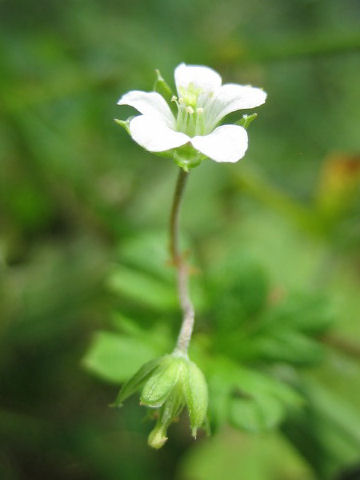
{"x": 161, "y": 382}
{"x": 169, "y": 384}
{"x": 157, "y": 437}
{"x": 196, "y": 396}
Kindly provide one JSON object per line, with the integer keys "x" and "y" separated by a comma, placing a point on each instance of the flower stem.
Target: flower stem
{"x": 181, "y": 266}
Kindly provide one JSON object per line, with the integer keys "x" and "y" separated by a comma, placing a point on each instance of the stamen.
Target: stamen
{"x": 199, "y": 124}
{"x": 190, "y": 119}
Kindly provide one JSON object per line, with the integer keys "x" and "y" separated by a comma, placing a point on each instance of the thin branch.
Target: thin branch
{"x": 181, "y": 266}
{"x": 343, "y": 345}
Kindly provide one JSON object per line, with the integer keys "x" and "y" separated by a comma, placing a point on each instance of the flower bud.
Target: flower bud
{"x": 196, "y": 396}
{"x": 162, "y": 381}
{"x": 157, "y": 437}
{"x": 136, "y": 381}
{"x": 168, "y": 384}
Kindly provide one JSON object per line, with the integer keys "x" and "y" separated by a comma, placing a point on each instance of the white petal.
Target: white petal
{"x": 232, "y": 97}
{"x": 154, "y": 134}
{"x": 202, "y": 78}
{"x": 227, "y": 143}
{"x": 149, "y": 103}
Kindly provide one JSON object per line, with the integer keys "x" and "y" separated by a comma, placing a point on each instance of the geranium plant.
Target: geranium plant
{"x": 188, "y": 133}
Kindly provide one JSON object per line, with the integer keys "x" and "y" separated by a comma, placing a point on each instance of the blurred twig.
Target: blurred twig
{"x": 342, "y": 345}
{"x": 257, "y": 186}
{"x": 21, "y": 95}
{"x": 289, "y": 48}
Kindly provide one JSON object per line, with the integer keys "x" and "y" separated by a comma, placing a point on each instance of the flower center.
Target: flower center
{"x": 190, "y": 94}
{"x": 190, "y": 118}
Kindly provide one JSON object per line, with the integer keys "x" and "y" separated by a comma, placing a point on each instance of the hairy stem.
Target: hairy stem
{"x": 181, "y": 266}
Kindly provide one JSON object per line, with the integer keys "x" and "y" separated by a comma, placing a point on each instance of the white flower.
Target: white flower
{"x": 202, "y": 102}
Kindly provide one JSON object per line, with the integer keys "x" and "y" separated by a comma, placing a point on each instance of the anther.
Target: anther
{"x": 189, "y": 109}
{"x": 200, "y": 110}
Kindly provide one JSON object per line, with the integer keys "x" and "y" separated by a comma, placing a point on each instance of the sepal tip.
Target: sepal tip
{"x": 246, "y": 120}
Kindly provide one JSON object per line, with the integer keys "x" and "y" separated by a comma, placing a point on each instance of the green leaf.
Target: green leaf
{"x": 288, "y": 346}
{"x": 148, "y": 252}
{"x": 115, "y": 358}
{"x": 258, "y": 415}
{"x": 326, "y": 432}
{"x": 308, "y": 313}
{"x": 126, "y": 325}
{"x": 247, "y": 398}
{"x": 244, "y": 457}
{"x": 145, "y": 267}
{"x": 219, "y": 398}
{"x": 143, "y": 288}
{"x": 158, "y": 337}
{"x": 239, "y": 287}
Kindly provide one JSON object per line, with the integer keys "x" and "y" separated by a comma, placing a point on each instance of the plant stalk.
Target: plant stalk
{"x": 178, "y": 261}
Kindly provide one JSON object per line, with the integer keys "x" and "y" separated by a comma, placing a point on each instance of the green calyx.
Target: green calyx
{"x": 168, "y": 385}
{"x": 161, "y": 383}
{"x": 187, "y": 157}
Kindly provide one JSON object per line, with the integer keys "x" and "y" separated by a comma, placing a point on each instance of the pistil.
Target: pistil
{"x": 190, "y": 120}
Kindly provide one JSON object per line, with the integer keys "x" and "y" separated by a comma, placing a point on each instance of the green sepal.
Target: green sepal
{"x": 163, "y": 88}
{"x": 159, "y": 385}
{"x": 187, "y": 157}
{"x": 196, "y": 396}
{"x": 173, "y": 406}
{"x": 125, "y": 124}
{"x": 168, "y": 413}
{"x": 246, "y": 120}
{"x": 136, "y": 381}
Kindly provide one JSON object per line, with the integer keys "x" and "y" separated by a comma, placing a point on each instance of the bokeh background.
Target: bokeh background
{"x": 79, "y": 200}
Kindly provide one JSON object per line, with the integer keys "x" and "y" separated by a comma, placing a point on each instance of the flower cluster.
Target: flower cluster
{"x": 193, "y": 132}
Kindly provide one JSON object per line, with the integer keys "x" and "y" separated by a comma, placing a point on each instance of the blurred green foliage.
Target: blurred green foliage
{"x": 274, "y": 239}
